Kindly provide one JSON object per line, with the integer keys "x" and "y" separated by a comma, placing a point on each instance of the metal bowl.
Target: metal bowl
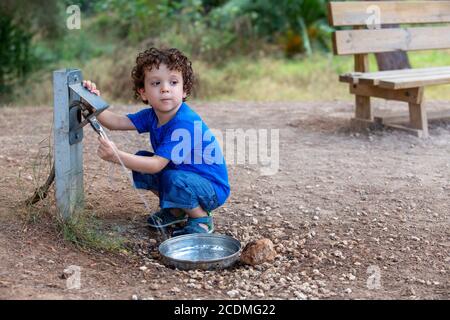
{"x": 200, "y": 251}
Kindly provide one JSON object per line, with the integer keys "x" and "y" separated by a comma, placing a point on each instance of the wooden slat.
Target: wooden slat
{"x": 373, "y": 78}
{"x": 353, "y": 13}
{"x": 412, "y": 82}
{"x": 413, "y": 95}
{"x": 385, "y": 40}
{"x": 348, "y": 77}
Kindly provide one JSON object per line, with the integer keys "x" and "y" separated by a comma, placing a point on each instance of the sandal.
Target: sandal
{"x": 193, "y": 226}
{"x": 164, "y": 218}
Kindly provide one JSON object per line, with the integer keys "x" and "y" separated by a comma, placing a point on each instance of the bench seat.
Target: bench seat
{"x": 400, "y": 79}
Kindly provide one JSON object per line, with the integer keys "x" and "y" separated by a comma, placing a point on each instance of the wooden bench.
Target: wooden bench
{"x": 366, "y": 37}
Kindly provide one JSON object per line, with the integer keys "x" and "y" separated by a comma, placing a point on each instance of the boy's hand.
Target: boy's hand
{"x": 91, "y": 87}
{"x": 106, "y": 150}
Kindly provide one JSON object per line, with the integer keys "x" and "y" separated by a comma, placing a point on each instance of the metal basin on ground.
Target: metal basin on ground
{"x": 200, "y": 251}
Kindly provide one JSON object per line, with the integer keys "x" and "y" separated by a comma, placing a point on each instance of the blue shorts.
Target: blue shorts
{"x": 177, "y": 188}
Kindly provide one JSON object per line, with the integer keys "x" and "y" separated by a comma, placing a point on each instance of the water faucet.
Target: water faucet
{"x": 96, "y": 126}
{"x": 83, "y": 110}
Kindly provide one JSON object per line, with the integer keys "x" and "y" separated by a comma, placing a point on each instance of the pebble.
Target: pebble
{"x": 175, "y": 290}
{"x": 300, "y": 295}
{"x": 233, "y": 293}
{"x": 409, "y": 292}
{"x": 154, "y": 286}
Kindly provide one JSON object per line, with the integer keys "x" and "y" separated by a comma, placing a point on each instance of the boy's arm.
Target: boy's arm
{"x": 142, "y": 164}
{"x": 113, "y": 121}
{"x": 136, "y": 163}
{"x": 108, "y": 119}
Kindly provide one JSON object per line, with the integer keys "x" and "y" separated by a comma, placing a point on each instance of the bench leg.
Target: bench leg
{"x": 363, "y": 108}
{"x": 418, "y": 118}
{"x": 363, "y": 114}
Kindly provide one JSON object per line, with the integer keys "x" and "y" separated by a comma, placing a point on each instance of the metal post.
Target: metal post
{"x": 68, "y": 157}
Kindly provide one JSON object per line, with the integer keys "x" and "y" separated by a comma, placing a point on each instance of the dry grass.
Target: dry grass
{"x": 241, "y": 79}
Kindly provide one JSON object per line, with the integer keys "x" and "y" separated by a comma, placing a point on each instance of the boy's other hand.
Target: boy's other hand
{"x": 88, "y": 84}
{"x": 106, "y": 150}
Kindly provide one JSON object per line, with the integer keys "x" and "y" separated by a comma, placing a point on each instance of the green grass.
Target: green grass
{"x": 241, "y": 79}
{"x": 85, "y": 231}
{"x": 313, "y": 79}
{"x": 272, "y": 79}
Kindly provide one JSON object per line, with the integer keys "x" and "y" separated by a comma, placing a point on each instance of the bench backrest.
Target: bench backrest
{"x": 366, "y": 16}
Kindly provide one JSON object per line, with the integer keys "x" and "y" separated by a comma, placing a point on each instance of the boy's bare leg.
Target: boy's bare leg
{"x": 197, "y": 213}
{"x": 193, "y": 213}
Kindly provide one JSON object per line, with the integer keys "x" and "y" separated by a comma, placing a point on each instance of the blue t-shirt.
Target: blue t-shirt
{"x": 189, "y": 145}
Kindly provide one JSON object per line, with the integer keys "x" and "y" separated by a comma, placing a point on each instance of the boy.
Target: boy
{"x": 188, "y": 178}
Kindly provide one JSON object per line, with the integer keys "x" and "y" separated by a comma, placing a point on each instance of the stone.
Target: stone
{"x": 154, "y": 286}
{"x": 259, "y": 251}
{"x": 299, "y": 295}
{"x": 233, "y": 293}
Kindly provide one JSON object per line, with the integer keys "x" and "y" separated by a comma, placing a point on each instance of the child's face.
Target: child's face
{"x": 163, "y": 88}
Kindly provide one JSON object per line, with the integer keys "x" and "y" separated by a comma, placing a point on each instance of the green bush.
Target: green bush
{"x": 15, "y": 58}
{"x": 22, "y": 23}
{"x": 134, "y": 20}
{"x": 300, "y": 25}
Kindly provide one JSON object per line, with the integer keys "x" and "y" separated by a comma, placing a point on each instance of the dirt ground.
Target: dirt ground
{"x": 352, "y": 215}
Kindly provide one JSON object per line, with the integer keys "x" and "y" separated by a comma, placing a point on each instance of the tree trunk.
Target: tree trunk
{"x": 392, "y": 60}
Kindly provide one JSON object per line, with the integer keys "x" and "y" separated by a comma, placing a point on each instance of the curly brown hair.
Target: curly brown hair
{"x": 152, "y": 58}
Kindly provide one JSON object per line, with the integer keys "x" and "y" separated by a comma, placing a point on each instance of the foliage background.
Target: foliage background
{"x": 237, "y": 47}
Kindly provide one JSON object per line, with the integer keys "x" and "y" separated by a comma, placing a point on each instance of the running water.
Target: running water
{"x": 102, "y": 133}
